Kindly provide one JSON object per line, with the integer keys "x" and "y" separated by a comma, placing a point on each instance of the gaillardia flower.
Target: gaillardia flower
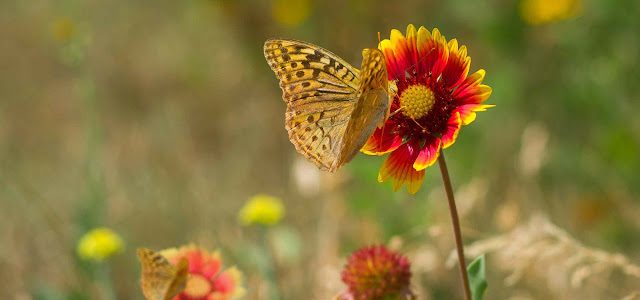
{"x": 99, "y": 244}
{"x": 434, "y": 97}
{"x": 207, "y": 279}
{"x": 374, "y": 273}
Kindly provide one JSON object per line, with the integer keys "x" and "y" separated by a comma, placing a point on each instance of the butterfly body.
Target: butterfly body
{"x": 332, "y": 107}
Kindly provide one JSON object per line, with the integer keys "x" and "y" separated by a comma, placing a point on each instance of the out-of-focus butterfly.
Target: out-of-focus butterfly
{"x": 160, "y": 279}
{"x": 332, "y": 107}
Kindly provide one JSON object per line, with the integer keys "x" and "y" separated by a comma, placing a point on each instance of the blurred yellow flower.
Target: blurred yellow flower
{"x": 536, "y": 12}
{"x": 63, "y": 29}
{"x": 99, "y": 244}
{"x": 290, "y": 12}
{"x": 262, "y": 209}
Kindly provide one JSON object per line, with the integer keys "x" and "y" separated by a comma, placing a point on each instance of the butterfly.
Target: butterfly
{"x": 160, "y": 279}
{"x": 332, "y": 107}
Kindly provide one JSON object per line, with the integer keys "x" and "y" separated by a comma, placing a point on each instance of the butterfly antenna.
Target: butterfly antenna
{"x": 414, "y": 121}
{"x": 395, "y": 112}
{"x": 378, "y": 37}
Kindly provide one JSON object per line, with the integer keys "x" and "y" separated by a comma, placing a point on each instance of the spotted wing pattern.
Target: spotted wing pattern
{"x": 321, "y": 91}
{"x": 160, "y": 279}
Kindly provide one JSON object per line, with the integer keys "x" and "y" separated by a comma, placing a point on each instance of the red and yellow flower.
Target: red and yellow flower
{"x": 207, "y": 279}
{"x": 434, "y": 96}
{"x": 376, "y": 272}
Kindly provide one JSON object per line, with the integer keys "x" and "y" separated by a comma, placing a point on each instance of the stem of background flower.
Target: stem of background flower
{"x": 456, "y": 224}
{"x": 103, "y": 275}
{"x": 269, "y": 272}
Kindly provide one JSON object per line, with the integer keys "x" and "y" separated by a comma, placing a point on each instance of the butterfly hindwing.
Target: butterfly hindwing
{"x": 320, "y": 90}
{"x": 372, "y": 106}
{"x": 160, "y": 279}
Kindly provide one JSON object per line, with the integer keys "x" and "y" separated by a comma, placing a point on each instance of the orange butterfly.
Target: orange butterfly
{"x": 332, "y": 107}
{"x": 160, "y": 279}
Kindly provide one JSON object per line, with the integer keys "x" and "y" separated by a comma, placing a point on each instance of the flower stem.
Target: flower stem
{"x": 270, "y": 269}
{"x": 456, "y": 224}
{"x": 106, "y": 284}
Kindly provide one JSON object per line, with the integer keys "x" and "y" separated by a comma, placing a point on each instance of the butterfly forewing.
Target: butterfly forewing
{"x": 160, "y": 279}
{"x": 320, "y": 90}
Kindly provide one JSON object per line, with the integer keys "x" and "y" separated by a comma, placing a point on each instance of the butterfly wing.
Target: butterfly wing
{"x": 179, "y": 282}
{"x": 320, "y": 90}
{"x": 160, "y": 279}
{"x": 372, "y": 106}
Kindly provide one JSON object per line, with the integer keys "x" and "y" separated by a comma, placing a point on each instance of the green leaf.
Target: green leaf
{"x": 477, "y": 277}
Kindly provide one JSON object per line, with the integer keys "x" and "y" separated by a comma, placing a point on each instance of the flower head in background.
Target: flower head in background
{"x": 291, "y": 13}
{"x": 99, "y": 244}
{"x": 262, "y": 209}
{"x": 63, "y": 29}
{"x": 207, "y": 279}
{"x": 435, "y": 96}
{"x": 537, "y": 12}
{"x": 376, "y": 272}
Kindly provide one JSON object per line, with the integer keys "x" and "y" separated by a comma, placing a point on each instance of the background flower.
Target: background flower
{"x": 291, "y": 12}
{"x": 63, "y": 29}
{"x": 207, "y": 279}
{"x": 99, "y": 244}
{"x": 537, "y": 12}
{"x": 262, "y": 209}
{"x": 375, "y": 272}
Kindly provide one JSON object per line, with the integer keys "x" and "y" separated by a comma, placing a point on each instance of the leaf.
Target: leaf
{"x": 477, "y": 277}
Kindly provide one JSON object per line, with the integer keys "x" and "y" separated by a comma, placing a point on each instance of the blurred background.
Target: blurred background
{"x": 159, "y": 120}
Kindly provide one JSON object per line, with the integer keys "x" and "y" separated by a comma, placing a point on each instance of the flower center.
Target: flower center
{"x": 197, "y": 286}
{"x": 416, "y": 101}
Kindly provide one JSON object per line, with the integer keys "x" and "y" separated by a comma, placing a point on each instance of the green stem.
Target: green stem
{"x": 270, "y": 273}
{"x": 104, "y": 278}
{"x": 456, "y": 224}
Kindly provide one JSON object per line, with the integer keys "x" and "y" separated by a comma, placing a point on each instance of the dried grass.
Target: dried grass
{"x": 543, "y": 249}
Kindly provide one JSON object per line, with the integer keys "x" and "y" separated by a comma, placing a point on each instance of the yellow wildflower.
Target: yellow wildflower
{"x": 536, "y": 12}
{"x": 99, "y": 244}
{"x": 63, "y": 29}
{"x": 262, "y": 209}
{"x": 290, "y": 12}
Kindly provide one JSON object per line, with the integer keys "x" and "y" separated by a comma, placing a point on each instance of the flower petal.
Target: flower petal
{"x": 393, "y": 69}
{"x": 433, "y": 52}
{"x": 212, "y": 265}
{"x": 475, "y": 95}
{"x": 457, "y": 66}
{"x": 381, "y": 142}
{"x": 428, "y": 155}
{"x": 467, "y": 111}
{"x": 412, "y": 36}
{"x": 401, "y": 52}
{"x": 399, "y": 168}
{"x": 469, "y": 84}
{"x": 453, "y": 128}
{"x": 227, "y": 283}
